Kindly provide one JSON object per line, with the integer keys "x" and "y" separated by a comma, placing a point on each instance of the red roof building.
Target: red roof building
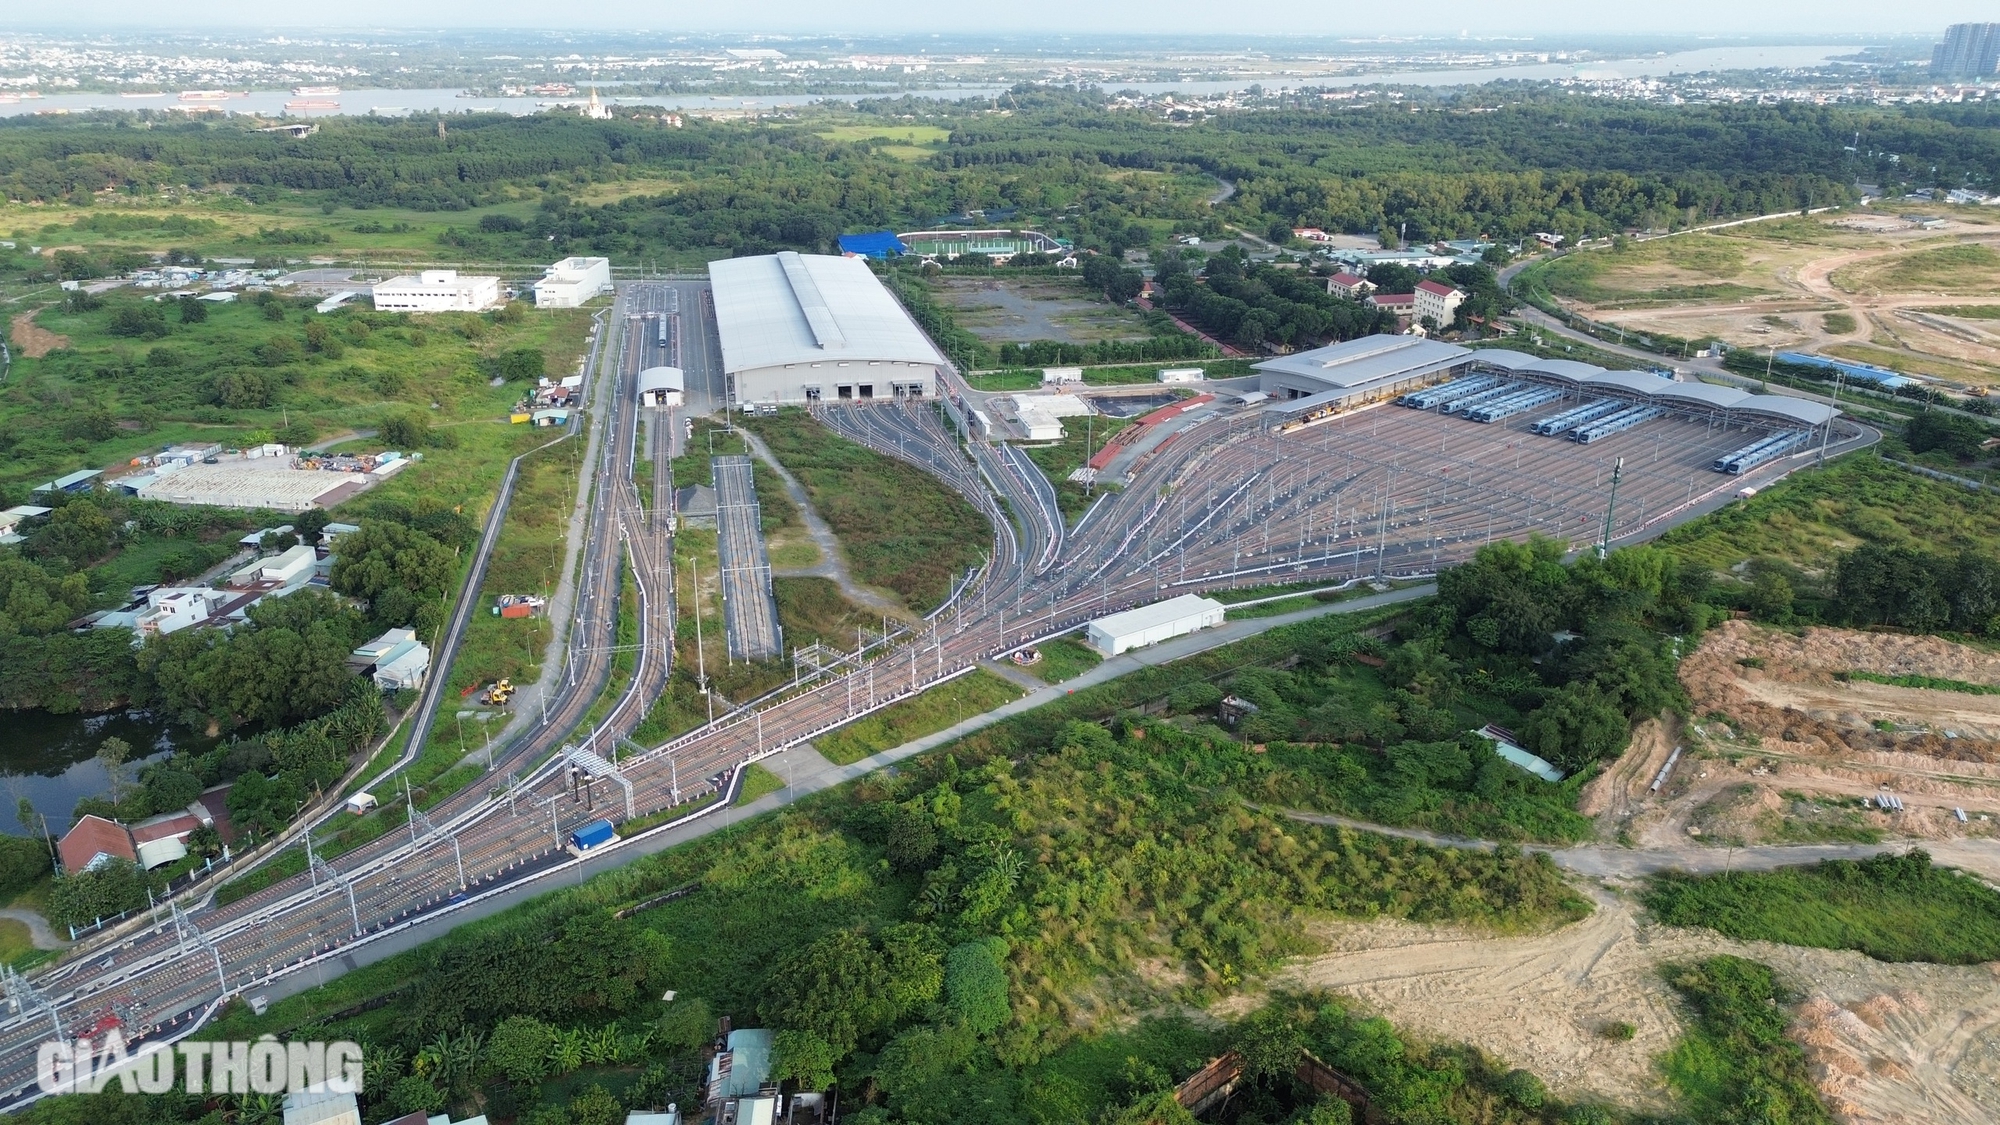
{"x": 93, "y": 841}
{"x": 1437, "y": 303}
{"x": 1348, "y": 287}
{"x": 1402, "y": 304}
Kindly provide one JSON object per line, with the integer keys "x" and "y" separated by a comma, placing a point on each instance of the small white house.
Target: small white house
{"x": 1061, "y": 375}
{"x": 1151, "y": 624}
{"x": 572, "y": 282}
{"x": 1180, "y": 375}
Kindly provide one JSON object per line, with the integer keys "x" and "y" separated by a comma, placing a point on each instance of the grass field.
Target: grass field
{"x": 1814, "y": 515}
{"x": 1893, "y": 908}
{"x": 757, "y": 781}
{"x": 1965, "y": 312}
{"x": 901, "y": 530}
{"x": 943, "y": 706}
{"x": 904, "y": 142}
{"x": 1116, "y": 375}
{"x": 1897, "y": 359}
{"x": 14, "y": 941}
{"x": 1687, "y": 268}
{"x": 1970, "y": 270}
{"x": 1065, "y": 658}
{"x": 812, "y": 610}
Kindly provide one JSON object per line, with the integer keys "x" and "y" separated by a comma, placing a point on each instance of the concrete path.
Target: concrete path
{"x": 832, "y": 564}
{"x": 1019, "y": 677}
{"x": 38, "y": 928}
{"x": 1605, "y": 860}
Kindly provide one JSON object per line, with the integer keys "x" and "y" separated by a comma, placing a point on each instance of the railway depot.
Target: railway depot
{"x": 807, "y": 328}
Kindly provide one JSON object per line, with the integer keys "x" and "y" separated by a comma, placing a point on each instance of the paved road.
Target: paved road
{"x": 1605, "y": 860}
{"x": 38, "y": 928}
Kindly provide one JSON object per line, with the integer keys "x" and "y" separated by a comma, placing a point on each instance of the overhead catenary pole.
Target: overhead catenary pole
{"x": 1611, "y": 507}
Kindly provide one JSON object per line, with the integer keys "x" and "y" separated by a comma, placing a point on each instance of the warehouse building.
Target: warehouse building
{"x": 435, "y": 291}
{"x": 573, "y": 282}
{"x": 1151, "y": 624}
{"x": 804, "y": 328}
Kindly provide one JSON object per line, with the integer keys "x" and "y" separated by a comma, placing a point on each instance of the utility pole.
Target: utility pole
{"x": 1611, "y": 507}
{"x": 1826, "y": 435}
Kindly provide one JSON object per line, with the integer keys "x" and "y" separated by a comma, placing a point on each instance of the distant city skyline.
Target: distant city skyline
{"x": 1446, "y": 18}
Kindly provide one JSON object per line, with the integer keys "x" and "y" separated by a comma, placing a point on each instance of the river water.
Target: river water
{"x": 271, "y": 103}
{"x": 52, "y": 759}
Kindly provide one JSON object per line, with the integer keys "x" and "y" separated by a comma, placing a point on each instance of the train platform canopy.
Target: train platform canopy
{"x": 1587, "y": 378}
{"x": 873, "y": 244}
{"x": 661, "y": 386}
{"x": 1358, "y": 365}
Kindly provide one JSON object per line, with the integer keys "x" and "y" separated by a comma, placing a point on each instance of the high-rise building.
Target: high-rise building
{"x": 1969, "y": 50}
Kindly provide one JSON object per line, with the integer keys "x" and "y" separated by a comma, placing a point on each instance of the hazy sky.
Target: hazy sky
{"x": 1447, "y": 17}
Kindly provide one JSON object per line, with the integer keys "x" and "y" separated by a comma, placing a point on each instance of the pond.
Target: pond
{"x": 52, "y": 759}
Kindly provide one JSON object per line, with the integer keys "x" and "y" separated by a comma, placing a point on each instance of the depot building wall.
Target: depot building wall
{"x": 834, "y": 381}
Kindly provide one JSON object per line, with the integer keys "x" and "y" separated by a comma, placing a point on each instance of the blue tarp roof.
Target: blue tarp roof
{"x": 1867, "y": 372}
{"x": 873, "y": 244}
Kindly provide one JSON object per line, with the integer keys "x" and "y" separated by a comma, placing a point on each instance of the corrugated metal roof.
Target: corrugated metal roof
{"x": 1506, "y": 359}
{"x": 1803, "y": 410}
{"x": 1708, "y": 394}
{"x": 662, "y": 378}
{"x": 782, "y": 308}
{"x": 1368, "y": 359}
{"x": 1159, "y": 613}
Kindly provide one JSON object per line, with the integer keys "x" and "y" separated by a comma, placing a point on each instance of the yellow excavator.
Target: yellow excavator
{"x": 500, "y": 693}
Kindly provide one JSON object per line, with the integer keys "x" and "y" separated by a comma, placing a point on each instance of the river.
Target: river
{"x": 271, "y": 103}
{"x": 52, "y": 759}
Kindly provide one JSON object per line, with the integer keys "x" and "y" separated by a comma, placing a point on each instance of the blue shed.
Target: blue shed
{"x": 873, "y": 244}
{"x": 594, "y": 834}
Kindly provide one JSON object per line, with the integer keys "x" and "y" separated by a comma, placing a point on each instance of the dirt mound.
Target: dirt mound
{"x": 31, "y": 339}
{"x": 1780, "y": 685}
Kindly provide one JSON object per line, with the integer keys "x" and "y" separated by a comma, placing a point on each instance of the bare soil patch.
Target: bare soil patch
{"x": 32, "y": 339}
{"x": 1891, "y": 1043}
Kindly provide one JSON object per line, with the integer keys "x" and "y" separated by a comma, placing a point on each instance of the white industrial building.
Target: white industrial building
{"x": 1151, "y": 624}
{"x": 810, "y": 327}
{"x": 572, "y": 282}
{"x": 662, "y": 386}
{"x": 437, "y": 291}
{"x": 1356, "y": 372}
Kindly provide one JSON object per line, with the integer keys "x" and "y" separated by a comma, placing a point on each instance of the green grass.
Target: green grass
{"x": 757, "y": 781}
{"x": 1815, "y": 515}
{"x": 901, "y": 529}
{"x": 1065, "y": 658}
{"x": 1736, "y": 1053}
{"x": 943, "y": 706}
{"x": 1838, "y": 323}
{"x": 813, "y": 610}
{"x": 1930, "y": 683}
{"x": 15, "y": 941}
{"x": 1965, "y": 312}
{"x": 1968, "y": 269}
{"x": 1892, "y": 908}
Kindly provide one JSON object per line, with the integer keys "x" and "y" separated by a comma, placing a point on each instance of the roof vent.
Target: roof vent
{"x": 826, "y": 333}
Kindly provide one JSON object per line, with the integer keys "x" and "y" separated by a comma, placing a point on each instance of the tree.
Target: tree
{"x": 975, "y": 984}
{"x": 596, "y": 1106}
{"x": 803, "y": 1058}
{"x": 519, "y": 1049}
{"x": 412, "y": 1094}
{"x": 397, "y": 569}
{"x": 112, "y": 754}
{"x": 193, "y": 310}
{"x": 145, "y": 322}
{"x": 105, "y": 891}
{"x": 685, "y": 1025}
{"x": 79, "y": 532}
{"x": 1575, "y": 726}
{"x": 405, "y": 431}
{"x": 1270, "y": 1043}
{"x": 310, "y": 525}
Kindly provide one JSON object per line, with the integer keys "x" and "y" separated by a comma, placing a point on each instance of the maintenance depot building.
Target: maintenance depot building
{"x": 801, "y": 328}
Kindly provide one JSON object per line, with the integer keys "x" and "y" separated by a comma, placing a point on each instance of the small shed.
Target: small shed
{"x": 1180, "y": 374}
{"x": 662, "y": 386}
{"x": 361, "y": 802}
{"x": 1051, "y": 375}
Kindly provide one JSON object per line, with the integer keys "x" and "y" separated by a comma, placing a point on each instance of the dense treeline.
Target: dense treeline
{"x": 363, "y": 160}
{"x": 1265, "y": 304}
{"x": 1057, "y": 158}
